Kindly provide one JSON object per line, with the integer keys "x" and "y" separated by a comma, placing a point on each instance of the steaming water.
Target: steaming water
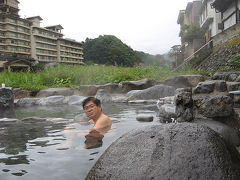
{"x": 53, "y": 147}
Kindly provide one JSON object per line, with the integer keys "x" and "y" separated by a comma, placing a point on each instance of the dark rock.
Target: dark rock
{"x": 227, "y": 76}
{"x": 235, "y": 95}
{"x": 169, "y": 151}
{"x": 167, "y": 112}
{"x": 213, "y": 106}
{"x": 229, "y": 134}
{"x": 27, "y": 102}
{"x": 6, "y": 98}
{"x": 154, "y": 92}
{"x": 19, "y": 93}
{"x": 184, "y": 104}
{"x": 136, "y": 85}
{"x": 233, "y": 86}
{"x": 207, "y": 87}
{"x": 55, "y": 92}
{"x": 184, "y": 81}
{"x": 144, "y": 118}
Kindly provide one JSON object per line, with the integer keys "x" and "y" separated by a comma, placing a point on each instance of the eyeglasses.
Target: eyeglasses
{"x": 91, "y": 106}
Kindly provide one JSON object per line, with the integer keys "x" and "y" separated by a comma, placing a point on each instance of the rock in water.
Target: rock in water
{"x": 184, "y": 104}
{"x": 6, "y": 98}
{"x": 169, "y": 151}
{"x": 144, "y": 118}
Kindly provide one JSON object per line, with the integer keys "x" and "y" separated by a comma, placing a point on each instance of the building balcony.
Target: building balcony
{"x": 16, "y": 31}
{"x": 44, "y": 42}
{"x": 71, "y": 46}
{"x": 72, "y": 62}
{"x": 73, "y": 52}
{"x": 45, "y": 54}
{"x": 18, "y": 45}
{"x": 73, "y": 57}
{"x": 44, "y": 48}
{"x": 15, "y": 24}
{"x": 44, "y": 36}
{"x": 14, "y": 51}
{"x": 205, "y": 24}
{"x": 16, "y": 38}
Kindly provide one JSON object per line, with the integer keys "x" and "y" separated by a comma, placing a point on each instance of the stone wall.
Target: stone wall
{"x": 221, "y": 56}
{"x": 227, "y": 35}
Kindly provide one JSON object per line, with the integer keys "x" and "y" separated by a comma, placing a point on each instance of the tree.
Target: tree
{"x": 109, "y": 50}
{"x": 191, "y": 32}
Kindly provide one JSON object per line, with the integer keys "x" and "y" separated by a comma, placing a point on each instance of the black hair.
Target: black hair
{"x": 96, "y": 101}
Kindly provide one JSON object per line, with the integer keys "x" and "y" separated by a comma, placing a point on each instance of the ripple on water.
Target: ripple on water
{"x": 59, "y": 140}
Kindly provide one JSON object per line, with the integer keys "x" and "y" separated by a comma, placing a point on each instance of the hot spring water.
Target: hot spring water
{"x": 49, "y": 142}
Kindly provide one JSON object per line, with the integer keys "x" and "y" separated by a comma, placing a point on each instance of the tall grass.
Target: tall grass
{"x": 72, "y": 76}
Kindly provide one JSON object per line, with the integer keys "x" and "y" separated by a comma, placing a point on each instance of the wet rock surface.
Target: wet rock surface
{"x": 144, "y": 118}
{"x": 213, "y": 106}
{"x": 231, "y": 135}
{"x": 154, "y": 92}
{"x": 184, "y": 81}
{"x": 184, "y": 104}
{"x": 91, "y": 90}
{"x": 6, "y": 99}
{"x": 104, "y": 96}
{"x": 55, "y": 92}
{"x": 170, "y": 151}
{"x": 127, "y": 86}
{"x": 167, "y": 113}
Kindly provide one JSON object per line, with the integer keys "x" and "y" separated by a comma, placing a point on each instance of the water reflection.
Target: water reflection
{"x": 93, "y": 140}
{"x": 15, "y": 136}
{"x": 43, "y": 142}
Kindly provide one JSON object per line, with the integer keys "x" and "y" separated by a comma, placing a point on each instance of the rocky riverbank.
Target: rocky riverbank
{"x": 199, "y": 143}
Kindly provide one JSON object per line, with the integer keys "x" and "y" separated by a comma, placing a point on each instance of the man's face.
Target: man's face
{"x": 92, "y": 110}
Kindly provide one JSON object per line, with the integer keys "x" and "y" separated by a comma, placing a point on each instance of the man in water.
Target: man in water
{"x": 93, "y": 109}
{"x": 102, "y": 123}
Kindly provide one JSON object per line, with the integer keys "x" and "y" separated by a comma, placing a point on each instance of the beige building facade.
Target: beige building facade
{"x": 26, "y": 38}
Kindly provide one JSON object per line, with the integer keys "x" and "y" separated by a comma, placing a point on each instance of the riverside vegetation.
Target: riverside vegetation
{"x": 72, "y": 76}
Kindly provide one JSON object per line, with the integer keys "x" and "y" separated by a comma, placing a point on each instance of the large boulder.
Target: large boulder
{"x": 154, "y": 92}
{"x": 6, "y": 98}
{"x": 227, "y": 76}
{"x": 229, "y": 134}
{"x": 167, "y": 113}
{"x": 103, "y": 96}
{"x": 213, "y": 106}
{"x": 184, "y": 81}
{"x": 169, "y": 151}
{"x": 91, "y": 90}
{"x": 51, "y": 101}
{"x": 55, "y": 92}
{"x": 233, "y": 86}
{"x": 127, "y": 86}
{"x": 184, "y": 104}
{"x": 74, "y": 100}
{"x": 27, "y": 102}
{"x": 208, "y": 87}
{"x": 20, "y": 93}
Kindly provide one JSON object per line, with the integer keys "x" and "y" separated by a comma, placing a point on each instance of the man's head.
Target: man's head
{"x": 92, "y": 107}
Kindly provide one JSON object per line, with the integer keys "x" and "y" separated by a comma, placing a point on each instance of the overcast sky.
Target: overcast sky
{"x": 144, "y": 25}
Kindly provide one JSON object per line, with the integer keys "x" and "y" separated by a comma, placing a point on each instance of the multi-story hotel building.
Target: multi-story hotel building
{"x": 14, "y": 31}
{"x": 25, "y": 38}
